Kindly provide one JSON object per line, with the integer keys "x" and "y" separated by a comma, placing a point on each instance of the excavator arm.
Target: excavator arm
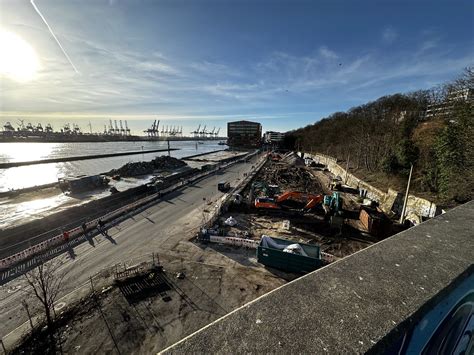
{"x": 316, "y": 200}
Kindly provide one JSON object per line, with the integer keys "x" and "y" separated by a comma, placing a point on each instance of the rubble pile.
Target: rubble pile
{"x": 290, "y": 177}
{"x": 148, "y": 167}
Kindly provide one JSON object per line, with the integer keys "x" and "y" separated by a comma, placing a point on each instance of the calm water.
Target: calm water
{"x": 23, "y": 208}
{"x": 26, "y": 176}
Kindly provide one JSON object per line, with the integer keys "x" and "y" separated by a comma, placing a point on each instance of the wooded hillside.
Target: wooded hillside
{"x": 431, "y": 129}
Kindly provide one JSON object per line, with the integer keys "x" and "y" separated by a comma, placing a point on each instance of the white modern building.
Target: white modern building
{"x": 273, "y": 137}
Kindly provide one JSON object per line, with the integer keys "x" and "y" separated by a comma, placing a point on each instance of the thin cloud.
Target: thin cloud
{"x": 389, "y": 35}
{"x": 326, "y": 53}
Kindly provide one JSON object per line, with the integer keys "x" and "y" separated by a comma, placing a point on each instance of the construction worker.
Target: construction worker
{"x": 100, "y": 227}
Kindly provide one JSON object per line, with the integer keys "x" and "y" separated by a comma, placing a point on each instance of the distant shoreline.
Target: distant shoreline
{"x": 93, "y": 138}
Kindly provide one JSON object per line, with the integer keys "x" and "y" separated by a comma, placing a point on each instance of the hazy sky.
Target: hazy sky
{"x": 284, "y": 63}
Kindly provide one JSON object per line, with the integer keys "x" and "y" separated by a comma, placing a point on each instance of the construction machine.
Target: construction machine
{"x": 333, "y": 204}
{"x": 274, "y": 156}
{"x": 290, "y": 199}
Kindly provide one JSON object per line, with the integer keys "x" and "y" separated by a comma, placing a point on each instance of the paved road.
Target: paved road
{"x": 160, "y": 228}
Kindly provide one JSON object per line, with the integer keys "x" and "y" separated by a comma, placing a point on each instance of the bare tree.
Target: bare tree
{"x": 45, "y": 284}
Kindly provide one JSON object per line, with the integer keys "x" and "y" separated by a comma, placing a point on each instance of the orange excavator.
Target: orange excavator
{"x": 309, "y": 200}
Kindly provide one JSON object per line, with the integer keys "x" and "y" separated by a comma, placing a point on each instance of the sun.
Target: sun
{"x": 18, "y": 60}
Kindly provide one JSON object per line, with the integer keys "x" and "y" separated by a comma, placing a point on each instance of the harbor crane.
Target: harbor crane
{"x": 127, "y": 130}
{"x": 116, "y": 131}
{"x": 122, "y": 130}
{"x": 153, "y": 130}
{"x": 217, "y": 133}
{"x": 203, "y": 132}
{"x": 196, "y": 132}
{"x": 66, "y": 128}
{"x": 49, "y": 128}
{"x": 21, "y": 125}
{"x": 211, "y": 133}
{"x": 39, "y": 128}
{"x": 7, "y": 127}
{"x": 76, "y": 129}
{"x": 111, "y": 127}
{"x": 29, "y": 127}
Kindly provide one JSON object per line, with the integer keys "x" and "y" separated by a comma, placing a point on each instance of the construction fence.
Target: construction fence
{"x": 76, "y": 235}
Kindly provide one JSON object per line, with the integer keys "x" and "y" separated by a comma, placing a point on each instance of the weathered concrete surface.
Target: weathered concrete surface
{"x": 350, "y": 305}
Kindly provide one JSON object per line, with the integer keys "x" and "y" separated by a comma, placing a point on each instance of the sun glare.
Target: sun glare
{"x": 18, "y": 60}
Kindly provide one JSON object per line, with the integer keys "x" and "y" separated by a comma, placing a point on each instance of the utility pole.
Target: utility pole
{"x": 402, "y": 217}
{"x": 347, "y": 168}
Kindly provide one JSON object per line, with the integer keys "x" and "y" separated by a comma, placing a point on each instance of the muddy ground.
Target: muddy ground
{"x": 311, "y": 228}
{"x": 113, "y": 322}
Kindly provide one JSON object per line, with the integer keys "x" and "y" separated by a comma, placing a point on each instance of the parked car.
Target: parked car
{"x": 223, "y": 186}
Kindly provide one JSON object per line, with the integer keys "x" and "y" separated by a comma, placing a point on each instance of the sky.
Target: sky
{"x": 285, "y": 64}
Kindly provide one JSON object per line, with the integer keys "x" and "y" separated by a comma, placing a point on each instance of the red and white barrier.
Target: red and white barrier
{"x": 239, "y": 242}
{"x": 59, "y": 239}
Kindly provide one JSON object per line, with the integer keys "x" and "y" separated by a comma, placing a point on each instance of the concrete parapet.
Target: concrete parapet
{"x": 375, "y": 300}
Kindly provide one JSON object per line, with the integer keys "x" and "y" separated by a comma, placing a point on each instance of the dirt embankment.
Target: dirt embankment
{"x": 148, "y": 167}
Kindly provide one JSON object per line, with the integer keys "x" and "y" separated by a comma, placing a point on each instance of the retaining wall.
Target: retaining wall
{"x": 390, "y": 201}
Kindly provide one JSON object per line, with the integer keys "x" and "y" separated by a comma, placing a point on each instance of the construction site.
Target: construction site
{"x": 279, "y": 217}
{"x": 295, "y": 203}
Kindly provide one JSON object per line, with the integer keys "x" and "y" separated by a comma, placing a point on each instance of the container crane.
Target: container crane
{"x": 196, "y": 132}
{"x": 7, "y": 127}
{"x": 122, "y": 130}
{"x": 111, "y": 127}
{"x": 127, "y": 130}
{"x": 29, "y": 127}
{"x": 66, "y": 128}
{"x": 151, "y": 132}
{"x": 76, "y": 129}
{"x": 203, "y": 132}
{"x": 116, "y": 131}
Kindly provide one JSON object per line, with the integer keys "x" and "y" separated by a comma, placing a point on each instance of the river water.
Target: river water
{"x": 20, "y": 209}
{"x": 40, "y": 174}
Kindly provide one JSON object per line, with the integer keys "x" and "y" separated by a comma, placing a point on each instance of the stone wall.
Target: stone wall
{"x": 391, "y": 202}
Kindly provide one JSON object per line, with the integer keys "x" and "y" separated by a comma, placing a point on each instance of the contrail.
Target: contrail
{"x": 52, "y": 33}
